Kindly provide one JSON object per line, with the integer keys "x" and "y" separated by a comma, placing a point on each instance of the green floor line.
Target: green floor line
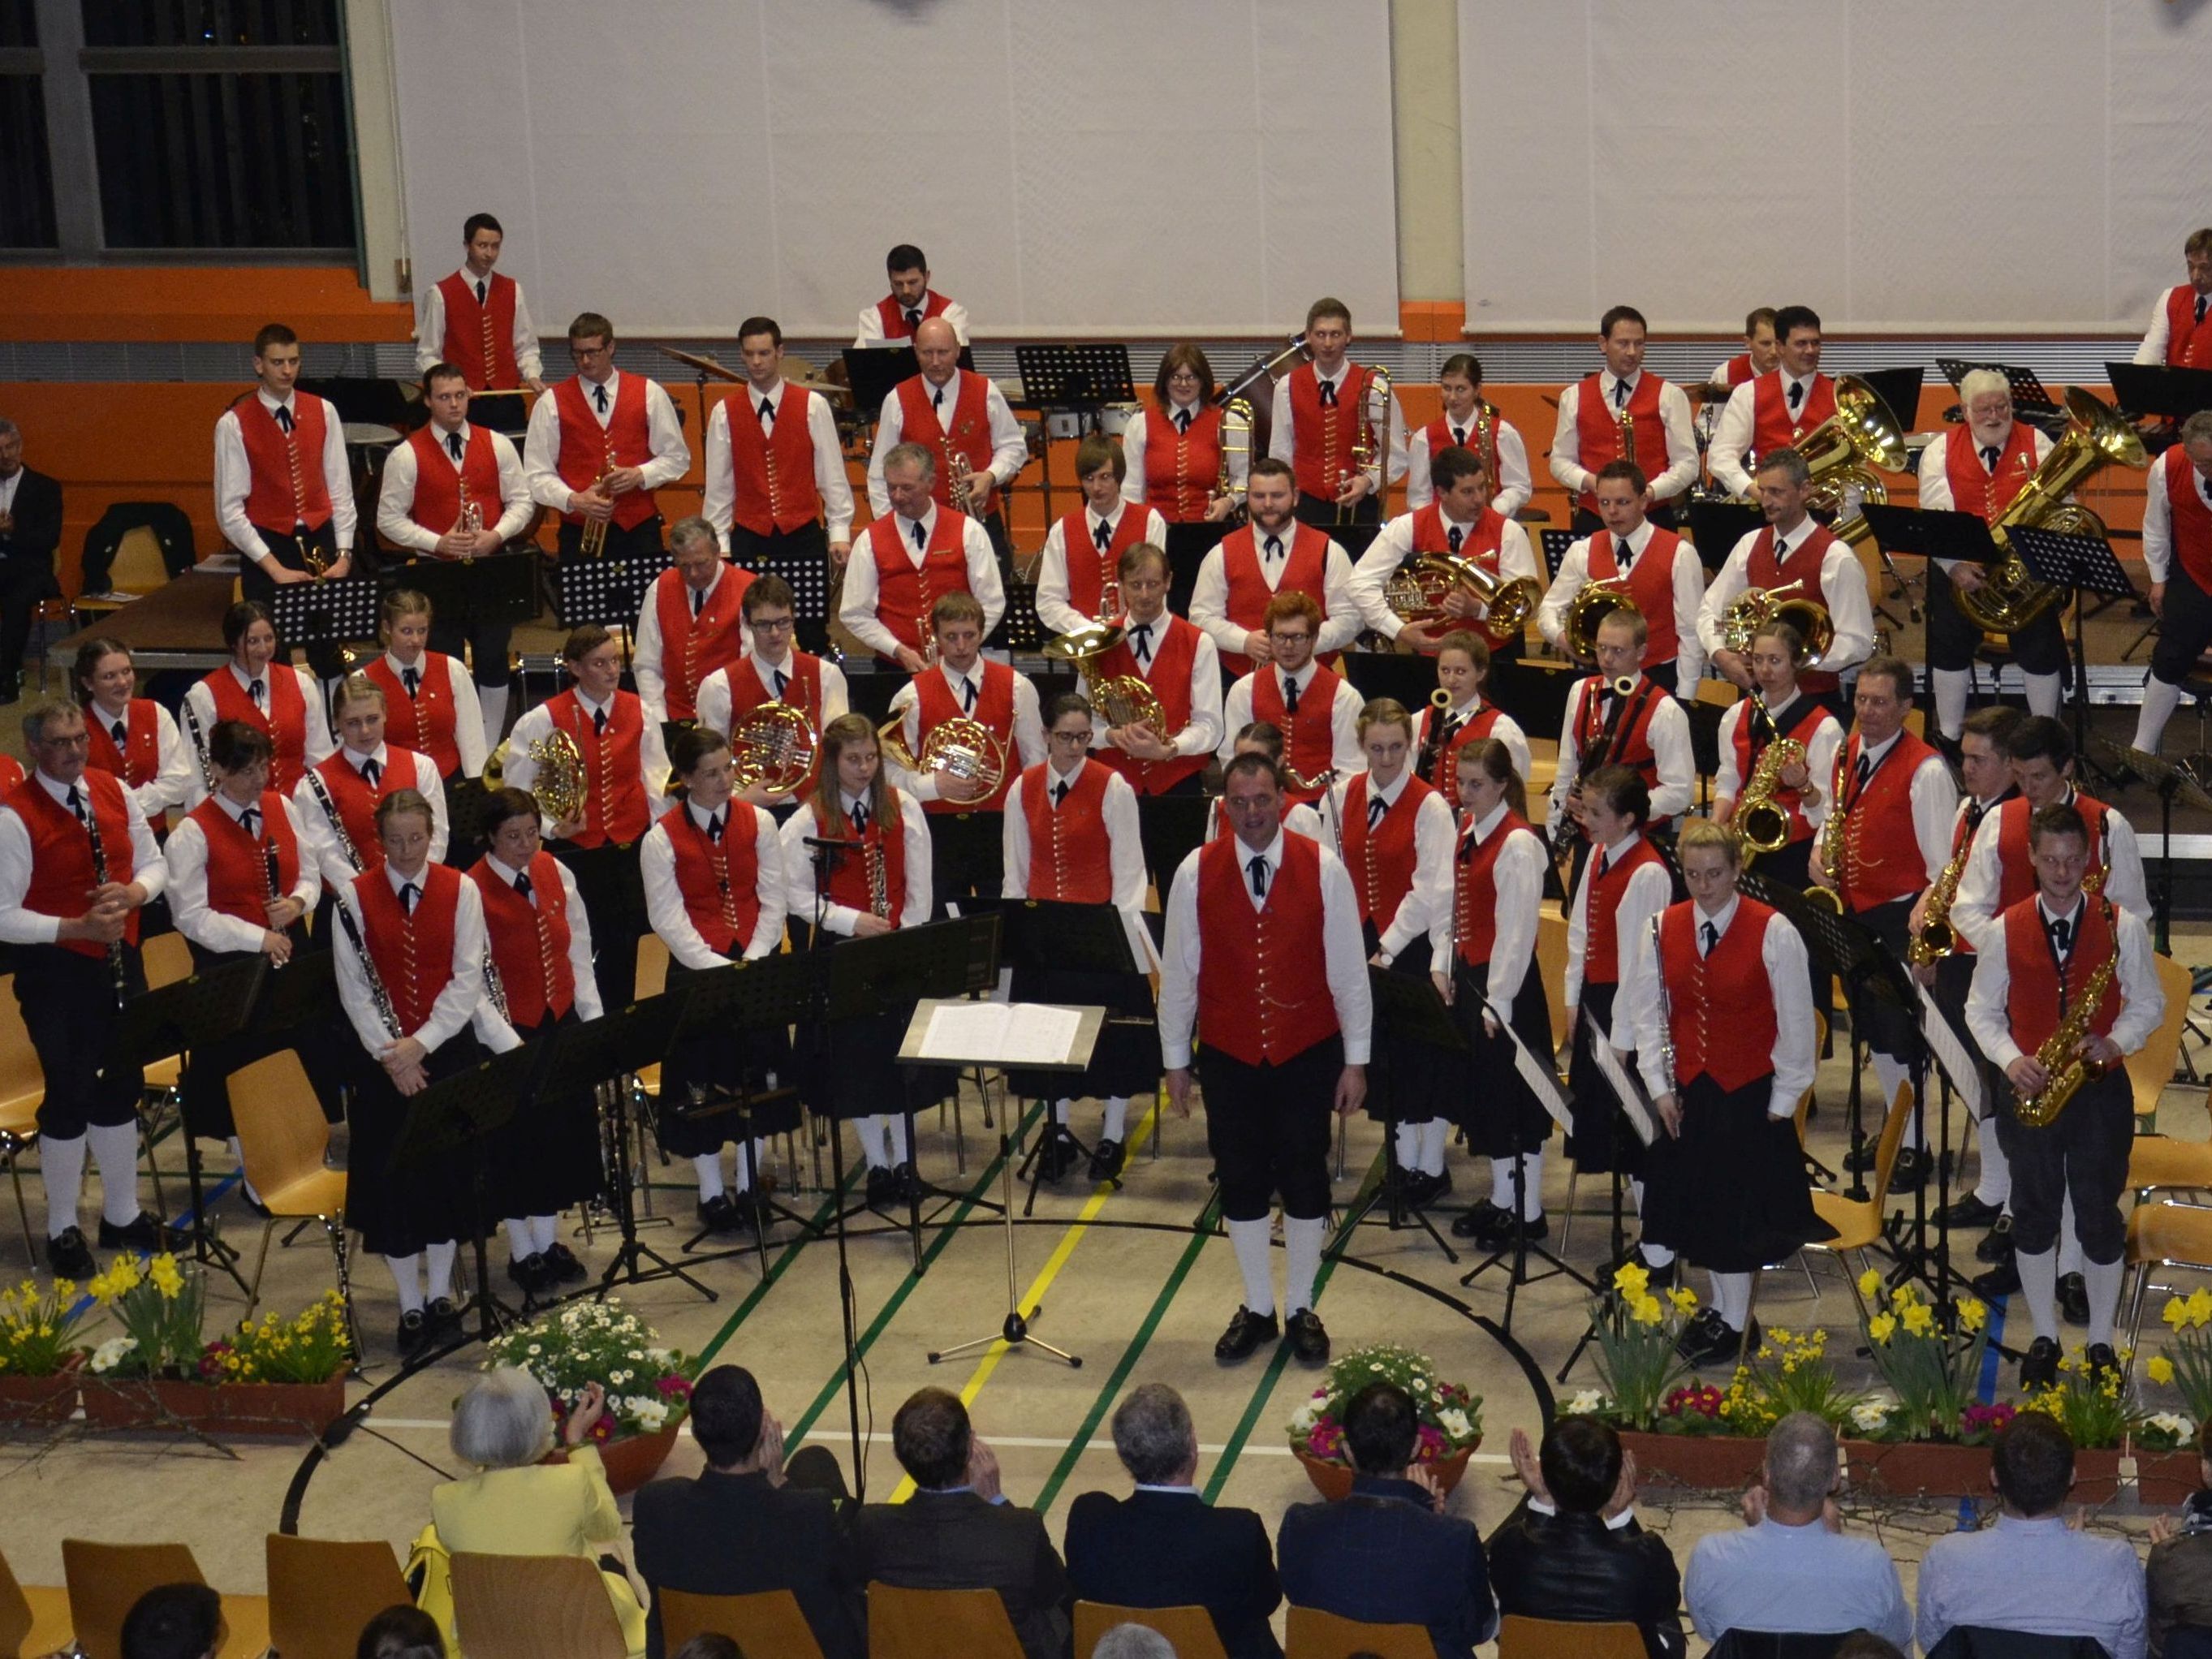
{"x": 784, "y": 1258}
{"x": 1069, "y": 1458}
{"x": 945, "y": 1230}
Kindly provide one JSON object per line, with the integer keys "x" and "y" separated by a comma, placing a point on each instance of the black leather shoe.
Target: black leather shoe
{"x": 2003, "y": 1280}
{"x": 2038, "y": 1366}
{"x": 1247, "y": 1332}
{"x": 907, "y": 1184}
{"x": 143, "y": 1232}
{"x": 718, "y": 1215}
{"x": 1107, "y": 1161}
{"x": 1476, "y": 1221}
{"x": 2103, "y": 1362}
{"x": 1309, "y": 1341}
{"x": 528, "y": 1272}
{"x": 1700, "y": 1335}
{"x": 1996, "y": 1243}
{"x": 1434, "y": 1188}
{"x": 1499, "y": 1229}
{"x": 2073, "y": 1298}
{"x": 443, "y": 1318}
{"x": 68, "y": 1257}
{"x": 1967, "y": 1212}
{"x": 1908, "y": 1173}
{"x": 882, "y": 1186}
{"x": 414, "y": 1334}
{"x": 565, "y": 1267}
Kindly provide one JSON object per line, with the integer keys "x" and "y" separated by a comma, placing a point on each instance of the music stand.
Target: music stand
{"x": 874, "y": 372}
{"x": 1554, "y": 544}
{"x": 1188, "y": 546}
{"x": 2126, "y": 765}
{"x": 1929, "y": 534}
{"x": 1408, "y": 677}
{"x": 1716, "y": 527}
{"x": 1072, "y": 380}
{"x": 1900, "y": 391}
{"x": 1407, "y": 1009}
{"x": 326, "y": 613}
{"x": 2155, "y": 389}
{"x": 1020, "y": 629}
{"x": 2086, "y": 564}
{"x": 2032, "y": 401}
{"x": 608, "y": 592}
{"x": 500, "y": 588}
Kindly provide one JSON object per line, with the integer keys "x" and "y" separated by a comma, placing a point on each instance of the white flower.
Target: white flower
{"x": 620, "y": 1376}
{"x": 650, "y": 1415}
{"x": 534, "y": 1350}
{"x": 1873, "y": 1415}
{"x": 1453, "y": 1421}
{"x": 2171, "y": 1423}
{"x": 1585, "y": 1402}
{"x": 110, "y": 1353}
{"x": 1303, "y": 1419}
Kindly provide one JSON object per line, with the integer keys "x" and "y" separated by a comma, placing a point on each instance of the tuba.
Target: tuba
{"x": 1596, "y": 601}
{"x": 1755, "y": 607}
{"x": 960, "y": 748}
{"x": 562, "y": 782}
{"x": 1763, "y": 825}
{"x": 1416, "y": 592}
{"x": 1122, "y": 699}
{"x": 773, "y": 745}
{"x": 1236, "y": 443}
{"x": 1845, "y": 450}
{"x": 2008, "y": 598}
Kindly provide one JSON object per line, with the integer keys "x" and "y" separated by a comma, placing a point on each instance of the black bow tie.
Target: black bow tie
{"x": 371, "y": 771}
{"x": 409, "y": 892}
{"x": 917, "y": 528}
{"x": 715, "y": 827}
{"x": 1377, "y": 806}
{"x": 1060, "y": 792}
{"x": 1621, "y": 394}
{"x": 412, "y": 679}
{"x": 1459, "y": 436}
{"x": 1712, "y": 937}
{"x": 250, "y": 821}
{"x": 1989, "y": 454}
{"x": 860, "y": 815}
{"x": 767, "y": 409}
{"x": 76, "y": 802}
{"x": 1183, "y": 416}
{"x": 1274, "y": 547}
{"x": 120, "y": 732}
{"x": 1453, "y": 536}
{"x": 2061, "y": 929}
{"x": 453, "y": 444}
{"x": 1140, "y": 641}
{"x": 1329, "y": 394}
{"x": 1103, "y": 535}
{"x": 1796, "y": 394}
{"x": 782, "y": 680}
{"x": 482, "y": 290}
{"x": 914, "y": 317}
{"x": 1257, "y": 864}
{"x": 257, "y": 691}
{"x": 1290, "y": 696}
{"x": 600, "y": 722}
{"x": 968, "y": 695}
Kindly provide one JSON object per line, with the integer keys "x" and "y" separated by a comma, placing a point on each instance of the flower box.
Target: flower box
{"x": 1708, "y": 1462}
{"x": 631, "y": 1460}
{"x": 2167, "y": 1478}
{"x": 282, "y": 1410}
{"x": 1919, "y": 1469}
{"x": 1332, "y": 1480}
{"x": 33, "y": 1405}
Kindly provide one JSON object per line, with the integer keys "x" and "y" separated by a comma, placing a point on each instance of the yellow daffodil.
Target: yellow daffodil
{"x": 1918, "y": 1320}
{"x": 1882, "y": 1326}
{"x": 1648, "y": 1310}
{"x": 1631, "y": 1281}
{"x": 166, "y": 1279}
{"x": 1973, "y": 1314}
{"x": 1871, "y": 1284}
{"x": 1684, "y": 1298}
{"x": 2175, "y": 1313}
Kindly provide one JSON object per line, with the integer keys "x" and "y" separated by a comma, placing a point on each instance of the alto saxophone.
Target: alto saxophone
{"x": 2068, "y": 1071}
{"x": 1834, "y": 831}
{"x": 1937, "y": 938}
{"x": 1764, "y": 826}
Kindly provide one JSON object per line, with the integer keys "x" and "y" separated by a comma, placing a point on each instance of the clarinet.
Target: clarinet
{"x": 377, "y": 995}
{"x": 1666, "y": 1015}
{"x": 199, "y": 742}
{"x": 276, "y": 874}
{"x": 115, "y": 966}
{"x": 338, "y": 830}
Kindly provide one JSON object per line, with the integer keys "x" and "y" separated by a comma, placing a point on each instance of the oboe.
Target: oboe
{"x": 115, "y": 968}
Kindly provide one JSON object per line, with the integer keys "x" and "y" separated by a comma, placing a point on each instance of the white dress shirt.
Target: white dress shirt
{"x": 186, "y": 855}
{"x": 1638, "y": 1012}
{"x": 430, "y": 333}
{"x": 328, "y": 846}
{"x": 1346, "y": 757}
{"x": 467, "y": 710}
{"x": 1819, "y": 759}
{"x": 1201, "y": 734}
{"x": 1518, "y": 876}
{"x": 21, "y": 926}
{"x": 1504, "y": 728}
{"x": 869, "y": 330}
{"x": 1671, "y": 752}
{"x": 1342, "y": 946}
{"x": 2158, "y": 519}
{"x": 587, "y": 1004}
{"x": 2160, "y": 335}
{"x": 461, "y": 1003}
{"x": 1209, "y": 594}
{"x": 396, "y": 498}
{"x": 1136, "y": 434}
{"x": 1974, "y": 907}
{"x": 1842, "y": 590}
{"x": 233, "y": 477}
{"x": 1739, "y": 421}
{"x": 541, "y": 444}
{"x": 1427, "y": 906}
{"x": 1282, "y": 437}
{"x": 1010, "y": 450}
{"x": 1393, "y": 544}
{"x": 1125, "y": 852}
{"x": 798, "y": 867}
{"x": 200, "y": 718}
{"x": 857, "y": 610}
{"x": 175, "y": 769}
{"x": 1689, "y": 594}
{"x": 1936, "y": 477}
{"x": 2143, "y": 1002}
{"x": 1053, "y": 608}
{"x": 716, "y": 701}
{"x": 719, "y": 504}
{"x": 1648, "y": 892}
{"x": 1028, "y": 725}
{"x": 664, "y": 897}
{"x": 646, "y": 646}
{"x": 1935, "y": 800}
{"x": 537, "y": 723}
{"x": 1678, "y": 473}
{"x": 1513, "y": 486}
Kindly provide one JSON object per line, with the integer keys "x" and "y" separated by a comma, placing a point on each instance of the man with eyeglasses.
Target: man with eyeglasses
{"x": 601, "y": 445}
{"x": 774, "y": 670}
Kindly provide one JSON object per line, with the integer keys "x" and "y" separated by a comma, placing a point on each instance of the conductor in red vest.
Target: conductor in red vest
{"x": 2180, "y": 336}
{"x": 692, "y": 621}
{"x": 600, "y": 444}
{"x": 2176, "y": 547}
{"x": 1592, "y": 410}
{"x": 478, "y": 321}
{"x": 964, "y": 420}
{"x": 1264, "y": 957}
{"x": 1775, "y": 409}
{"x": 1321, "y": 426}
{"x": 893, "y": 319}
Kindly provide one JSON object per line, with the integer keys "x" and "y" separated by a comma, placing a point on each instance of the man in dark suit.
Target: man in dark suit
{"x": 1572, "y": 1551}
{"x": 957, "y": 1531}
{"x": 749, "y": 1523}
{"x": 1163, "y": 1546}
{"x": 1388, "y": 1554}
{"x": 30, "y": 531}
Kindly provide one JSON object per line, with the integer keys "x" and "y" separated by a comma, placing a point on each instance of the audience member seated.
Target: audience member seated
{"x": 1388, "y": 1554}
{"x": 1572, "y": 1551}
{"x": 1791, "y": 1569}
{"x": 751, "y": 1523}
{"x": 1132, "y": 1642}
{"x": 174, "y": 1621}
{"x": 2031, "y": 1571}
{"x": 404, "y": 1631}
{"x": 2179, "y": 1577}
{"x": 709, "y": 1645}
{"x": 1163, "y": 1546}
{"x": 959, "y": 1531}
{"x": 1865, "y": 1644}
{"x": 519, "y": 1504}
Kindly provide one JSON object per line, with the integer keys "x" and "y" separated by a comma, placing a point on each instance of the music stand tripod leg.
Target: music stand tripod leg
{"x": 623, "y": 1267}
{"x": 208, "y": 1249}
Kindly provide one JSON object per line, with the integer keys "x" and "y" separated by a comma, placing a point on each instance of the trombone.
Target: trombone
{"x": 1370, "y": 439}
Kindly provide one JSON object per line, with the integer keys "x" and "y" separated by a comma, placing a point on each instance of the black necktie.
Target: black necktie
{"x": 968, "y": 695}
{"x": 2059, "y": 930}
{"x": 917, "y": 532}
{"x": 1459, "y": 436}
{"x": 1103, "y": 535}
{"x": 1454, "y": 537}
{"x": 412, "y": 679}
{"x": 284, "y": 417}
{"x": 259, "y": 692}
{"x": 1290, "y": 696}
{"x": 782, "y": 679}
{"x": 698, "y": 601}
{"x": 1183, "y": 416}
{"x": 454, "y": 445}
{"x": 1140, "y": 642}
{"x": 938, "y": 402}
{"x": 1796, "y": 395}
{"x": 522, "y": 888}
{"x": 250, "y": 821}
{"x": 914, "y": 317}
{"x": 1060, "y": 792}
{"x": 1274, "y": 547}
{"x": 1621, "y": 394}
{"x": 120, "y": 732}
{"x": 409, "y": 892}
{"x": 600, "y": 392}
{"x": 1258, "y": 866}
{"x": 372, "y": 771}
{"x": 1990, "y": 452}
{"x": 767, "y": 411}
{"x": 76, "y": 802}
{"x": 1712, "y": 937}
{"x": 2200, "y": 307}
{"x": 1865, "y": 769}
{"x": 714, "y": 828}
{"x": 600, "y": 722}
{"x": 860, "y": 817}
{"x": 1329, "y": 394}
{"x": 1781, "y": 547}
{"x": 1604, "y": 862}
{"x": 1377, "y": 806}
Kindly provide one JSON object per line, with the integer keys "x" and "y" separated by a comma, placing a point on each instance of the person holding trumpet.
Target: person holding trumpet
{"x": 1457, "y": 523}
{"x": 1655, "y": 570}
{"x": 962, "y": 418}
{"x": 599, "y": 448}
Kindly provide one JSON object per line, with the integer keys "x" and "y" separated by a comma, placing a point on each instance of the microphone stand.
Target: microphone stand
{"x": 826, "y": 855}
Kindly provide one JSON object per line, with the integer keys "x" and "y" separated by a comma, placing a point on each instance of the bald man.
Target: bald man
{"x": 961, "y": 419}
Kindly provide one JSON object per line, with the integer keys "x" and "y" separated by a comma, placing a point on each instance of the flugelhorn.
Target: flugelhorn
{"x": 592, "y": 542}
{"x": 1755, "y": 607}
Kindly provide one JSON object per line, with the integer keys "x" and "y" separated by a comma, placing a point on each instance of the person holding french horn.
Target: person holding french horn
{"x": 773, "y": 702}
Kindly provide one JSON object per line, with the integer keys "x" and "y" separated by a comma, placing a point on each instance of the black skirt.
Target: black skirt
{"x": 547, "y": 1156}
{"x": 1730, "y": 1194}
{"x": 1498, "y": 1110}
{"x": 400, "y": 1211}
{"x": 1602, "y": 1139}
{"x": 1410, "y": 1081}
{"x": 699, "y": 1096}
{"x": 1126, "y": 1061}
{"x": 851, "y": 1068}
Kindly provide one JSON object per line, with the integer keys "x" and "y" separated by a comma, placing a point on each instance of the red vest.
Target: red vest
{"x": 1602, "y": 896}
{"x": 1443, "y": 775}
{"x": 1438, "y": 432}
{"x": 2015, "y": 871}
{"x": 720, "y": 885}
{"x": 1263, "y": 995}
{"x": 968, "y": 432}
{"x": 238, "y": 864}
{"x": 1071, "y": 854}
{"x": 1308, "y": 736}
{"x": 905, "y": 594}
{"x": 614, "y": 779}
{"x": 1632, "y": 739}
{"x": 774, "y": 475}
{"x": 2189, "y": 520}
{"x": 61, "y": 874}
{"x": 848, "y": 883}
{"x": 1973, "y": 489}
{"x": 139, "y": 761}
{"x": 424, "y": 722}
{"x": 529, "y": 940}
{"x": 1474, "y": 889}
{"x": 1089, "y": 570}
{"x": 892, "y": 315}
{"x": 2033, "y": 1002}
{"x": 936, "y": 703}
{"x": 1381, "y": 864}
{"x": 1174, "y": 649}
{"x": 1597, "y": 429}
{"x": 413, "y": 954}
{"x": 441, "y": 492}
{"x": 11, "y": 774}
{"x": 1746, "y": 759}
{"x": 1480, "y": 545}
{"x": 285, "y": 725}
{"x": 286, "y": 488}
{"x": 1650, "y": 584}
{"x": 2188, "y": 342}
{"x": 804, "y": 692}
{"x": 1182, "y": 468}
{"x": 1801, "y": 565}
{"x": 1305, "y": 570}
{"x": 1737, "y": 369}
{"x": 357, "y": 802}
{"x": 1773, "y": 425}
{"x": 1882, "y": 849}
{"x": 480, "y": 338}
{"x": 692, "y": 648}
{"x": 1720, "y": 1007}
{"x": 1323, "y": 434}
{"x": 587, "y": 451}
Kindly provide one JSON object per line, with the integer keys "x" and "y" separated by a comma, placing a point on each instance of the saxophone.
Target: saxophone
{"x": 1834, "y": 831}
{"x": 1763, "y": 826}
{"x": 1937, "y": 938}
{"x": 2068, "y": 1070}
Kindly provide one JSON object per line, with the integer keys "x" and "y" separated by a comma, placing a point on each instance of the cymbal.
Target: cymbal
{"x": 721, "y": 371}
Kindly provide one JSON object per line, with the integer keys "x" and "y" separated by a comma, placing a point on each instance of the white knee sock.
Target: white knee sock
{"x": 1409, "y": 1138}
{"x": 407, "y": 1275}
{"x": 440, "y": 1260}
{"x": 1996, "y": 1185}
{"x": 61, "y": 1166}
{"x": 1435, "y": 1134}
{"x": 894, "y": 1132}
{"x": 115, "y": 1150}
{"x": 1249, "y": 1240}
{"x": 1532, "y": 1178}
{"x": 1654, "y": 1255}
{"x": 869, "y": 1132}
{"x": 2043, "y": 694}
{"x": 2159, "y": 700}
{"x": 2103, "y": 1279}
{"x": 2038, "y": 1283}
{"x": 749, "y": 1156}
{"x": 1889, "y": 1072}
{"x": 2070, "y": 1246}
{"x": 707, "y": 1167}
{"x": 492, "y": 699}
{"x": 544, "y": 1232}
{"x": 1302, "y": 1241}
{"x": 1732, "y": 1298}
{"x": 238, "y": 1152}
{"x": 518, "y": 1243}
{"x": 1115, "y": 1124}
{"x": 1951, "y": 686}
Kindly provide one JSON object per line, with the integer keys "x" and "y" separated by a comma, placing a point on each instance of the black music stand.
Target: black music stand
{"x": 2155, "y": 389}
{"x": 326, "y": 613}
{"x": 1188, "y": 546}
{"x": 1961, "y": 537}
{"x": 1554, "y": 544}
{"x": 807, "y": 574}
{"x": 1072, "y": 380}
{"x": 1407, "y": 1009}
{"x": 1898, "y": 389}
{"x": 608, "y": 592}
{"x": 2086, "y": 564}
{"x": 1716, "y": 527}
{"x": 874, "y": 372}
{"x": 460, "y": 1114}
{"x": 2032, "y": 401}
{"x": 1020, "y": 629}
{"x": 1354, "y": 538}
{"x": 174, "y": 1019}
{"x": 2130, "y": 765}
{"x": 1406, "y": 676}
{"x": 500, "y": 587}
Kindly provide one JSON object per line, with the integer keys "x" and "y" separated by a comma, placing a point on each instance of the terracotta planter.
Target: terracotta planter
{"x": 2168, "y": 1478}
{"x": 33, "y": 1405}
{"x": 285, "y": 1410}
{"x": 633, "y": 1460}
{"x": 2096, "y": 1477}
{"x": 1710, "y": 1462}
{"x": 1918, "y": 1469}
{"x": 1333, "y": 1481}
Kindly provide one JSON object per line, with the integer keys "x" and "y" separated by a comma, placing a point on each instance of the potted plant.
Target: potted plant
{"x": 2168, "y": 1471}
{"x": 648, "y": 1387}
{"x": 282, "y": 1376}
{"x": 1931, "y": 1436}
{"x": 1450, "y": 1417}
{"x": 2099, "y": 1417}
{"x": 1671, "y": 1422}
{"x": 40, "y": 1354}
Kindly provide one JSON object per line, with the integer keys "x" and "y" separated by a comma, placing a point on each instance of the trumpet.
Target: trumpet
{"x": 593, "y": 540}
{"x": 1236, "y": 442}
{"x": 1591, "y": 606}
{"x": 1763, "y": 825}
{"x": 1755, "y": 607}
{"x": 773, "y": 745}
{"x": 1123, "y": 699}
{"x": 1416, "y": 593}
{"x": 960, "y": 748}
{"x": 961, "y": 482}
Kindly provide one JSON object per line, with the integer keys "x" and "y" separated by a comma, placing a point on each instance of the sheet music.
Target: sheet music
{"x": 1543, "y": 1082}
{"x": 1951, "y": 1054}
{"x": 1626, "y": 1089}
{"x": 1003, "y": 1033}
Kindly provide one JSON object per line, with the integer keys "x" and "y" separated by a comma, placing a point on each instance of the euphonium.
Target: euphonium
{"x": 2008, "y": 598}
{"x": 960, "y": 748}
{"x": 2068, "y": 1070}
{"x": 1752, "y": 608}
{"x": 1236, "y": 443}
{"x": 774, "y": 745}
{"x": 1122, "y": 699}
{"x": 1843, "y": 452}
{"x": 1596, "y": 601}
{"x": 560, "y": 787}
{"x": 1417, "y": 591}
{"x": 1764, "y": 826}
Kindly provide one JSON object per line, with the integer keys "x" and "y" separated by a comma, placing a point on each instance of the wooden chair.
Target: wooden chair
{"x": 767, "y": 1623}
{"x": 1521, "y": 1637}
{"x": 2167, "y": 1235}
{"x": 283, "y": 1136}
{"x": 1189, "y": 1630}
{"x": 34, "y": 1619}
{"x": 526, "y": 1606}
{"x": 939, "y": 1624}
{"x": 1317, "y": 1635}
{"x": 323, "y": 1590}
{"x": 23, "y": 1088}
{"x": 106, "y": 1580}
{"x": 1551, "y": 962}
{"x": 1858, "y": 1224}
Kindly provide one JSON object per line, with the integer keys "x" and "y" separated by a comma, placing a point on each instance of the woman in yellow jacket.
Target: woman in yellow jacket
{"x": 518, "y": 1504}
